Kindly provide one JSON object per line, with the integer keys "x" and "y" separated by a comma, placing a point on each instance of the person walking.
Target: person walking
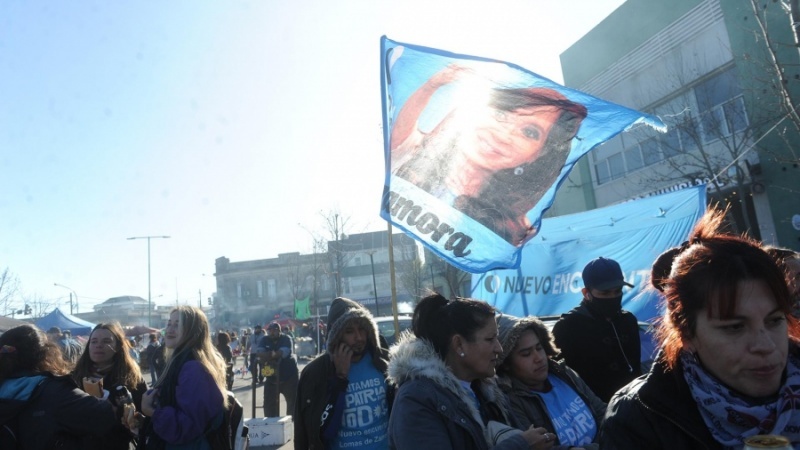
{"x": 150, "y": 353}
{"x": 70, "y": 348}
{"x": 224, "y": 349}
{"x": 598, "y": 339}
{"x": 275, "y": 353}
{"x": 343, "y": 396}
{"x": 252, "y": 349}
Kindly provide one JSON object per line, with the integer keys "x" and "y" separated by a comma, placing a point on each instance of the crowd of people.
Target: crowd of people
{"x": 465, "y": 376}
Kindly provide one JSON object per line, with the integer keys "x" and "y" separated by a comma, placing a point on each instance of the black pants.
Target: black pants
{"x": 255, "y": 367}
{"x": 272, "y": 390}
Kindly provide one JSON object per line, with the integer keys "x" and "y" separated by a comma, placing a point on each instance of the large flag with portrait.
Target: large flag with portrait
{"x": 475, "y": 149}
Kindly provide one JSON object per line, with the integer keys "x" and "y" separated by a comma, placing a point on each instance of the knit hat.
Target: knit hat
{"x": 342, "y": 311}
{"x": 510, "y": 329}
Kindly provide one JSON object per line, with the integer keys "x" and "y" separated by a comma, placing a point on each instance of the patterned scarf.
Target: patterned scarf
{"x": 731, "y": 419}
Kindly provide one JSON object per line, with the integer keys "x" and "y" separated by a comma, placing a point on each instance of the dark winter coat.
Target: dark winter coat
{"x": 606, "y": 353}
{"x": 529, "y": 409}
{"x": 52, "y": 412}
{"x": 318, "y": 408}
{"x": 432, "y": 410}
{"x": 656, "y": 411}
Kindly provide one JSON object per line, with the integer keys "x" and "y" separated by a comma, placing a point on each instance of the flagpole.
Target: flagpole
{"x": 391, "y": 277}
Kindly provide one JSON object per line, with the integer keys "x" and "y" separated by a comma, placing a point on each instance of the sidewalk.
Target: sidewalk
{"x": 242, "y": 388}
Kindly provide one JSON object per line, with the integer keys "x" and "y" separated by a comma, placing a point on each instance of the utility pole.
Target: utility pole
{"x": 374, "y": 286}
{"x": 149, "y": 293}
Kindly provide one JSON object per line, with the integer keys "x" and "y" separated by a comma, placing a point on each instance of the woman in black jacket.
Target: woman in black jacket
{"x": 729, "y": 365}
{"x": 39, "y": 401}
{"x": 107, "y": 357}
{"x": 224, "y": 349}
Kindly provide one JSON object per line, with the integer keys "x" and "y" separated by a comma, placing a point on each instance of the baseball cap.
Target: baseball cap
{"x": 603, "y": 273}
{"x": 274, "y": 325}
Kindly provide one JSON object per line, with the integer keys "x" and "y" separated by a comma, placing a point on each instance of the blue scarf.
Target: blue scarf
{"x": 731, "y": 419}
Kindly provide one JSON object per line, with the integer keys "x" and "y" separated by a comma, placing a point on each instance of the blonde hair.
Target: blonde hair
{"x": 195, "y": 337}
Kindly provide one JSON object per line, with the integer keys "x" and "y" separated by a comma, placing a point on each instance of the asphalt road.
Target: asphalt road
{"x": 243, "y": 389}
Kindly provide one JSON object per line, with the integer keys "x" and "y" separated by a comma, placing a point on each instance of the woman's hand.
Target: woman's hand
{"x": 148, "y": 402}
{"x": 539, "y": 438}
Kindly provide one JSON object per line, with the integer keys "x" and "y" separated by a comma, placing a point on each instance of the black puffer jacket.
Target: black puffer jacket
{"x": 55, "y": 414}
{"x": 655, "y": 411}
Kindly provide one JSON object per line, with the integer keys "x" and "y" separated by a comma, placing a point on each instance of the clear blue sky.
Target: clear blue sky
{"x": 221, "y": 124}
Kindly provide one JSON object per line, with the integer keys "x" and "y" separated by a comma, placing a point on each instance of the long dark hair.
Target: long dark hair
{"x": 26, "y": 349}
{"x": 510, "y": 193}
{"x": 437, "y": 319}
{"x": 706, "y": 273}
{"x": 124, "y": 368}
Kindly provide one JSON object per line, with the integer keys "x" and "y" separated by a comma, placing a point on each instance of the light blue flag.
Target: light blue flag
{"x": 548, "y": 280}
{"x": 475, "y": 150}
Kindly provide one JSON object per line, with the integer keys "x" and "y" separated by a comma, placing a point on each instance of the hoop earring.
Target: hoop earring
{"x": 519, "y": 170}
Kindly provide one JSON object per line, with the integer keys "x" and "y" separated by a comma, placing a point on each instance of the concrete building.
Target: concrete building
{"x": 702, "y": 66}
{"x": 250, "y": 292}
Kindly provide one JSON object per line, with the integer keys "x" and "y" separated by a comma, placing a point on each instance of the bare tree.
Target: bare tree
{"x": 294, "y": 274}
{"x": 412, "y": 277}
{"x": 336, "y": 226}
{"x": 9, "y": 290}
{"x": 455, "y": 279}
{"x": 784, "y": 12}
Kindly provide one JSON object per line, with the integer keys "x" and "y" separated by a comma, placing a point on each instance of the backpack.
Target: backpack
{"x": 231, "y": 434}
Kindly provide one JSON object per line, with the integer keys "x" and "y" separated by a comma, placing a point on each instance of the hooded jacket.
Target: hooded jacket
{"x": 52, "y": 412}
{"x": 320, "y": 393}
{"x": 432, "y": 410}
{"x": 529, "y": 408}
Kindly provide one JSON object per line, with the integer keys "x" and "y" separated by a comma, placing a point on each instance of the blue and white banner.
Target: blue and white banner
{"x": 476, "y": 148}
{"x": 548, "y": 280}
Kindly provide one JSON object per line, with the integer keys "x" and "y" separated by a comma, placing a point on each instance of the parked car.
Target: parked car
{"x": 386, "y": 326}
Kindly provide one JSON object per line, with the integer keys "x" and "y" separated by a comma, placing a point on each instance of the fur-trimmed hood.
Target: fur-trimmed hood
{"x": 342, "y": 311}
{"x": 413, "y": 358}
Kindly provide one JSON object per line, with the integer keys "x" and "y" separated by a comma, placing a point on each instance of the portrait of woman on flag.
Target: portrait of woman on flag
{"x": 490, "y": 152}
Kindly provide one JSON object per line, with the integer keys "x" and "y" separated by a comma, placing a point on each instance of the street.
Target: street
{"x": 242, "y": 388}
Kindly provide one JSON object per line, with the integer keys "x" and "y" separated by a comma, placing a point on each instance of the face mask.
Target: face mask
{"x": 606, "y": 307}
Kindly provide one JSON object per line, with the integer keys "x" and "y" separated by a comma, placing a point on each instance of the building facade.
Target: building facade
{"x": 355, "y": 266}
{"x": 704, "y": 69}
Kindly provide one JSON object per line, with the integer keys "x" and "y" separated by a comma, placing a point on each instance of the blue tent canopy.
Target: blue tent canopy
{"x": 65, "y": 321}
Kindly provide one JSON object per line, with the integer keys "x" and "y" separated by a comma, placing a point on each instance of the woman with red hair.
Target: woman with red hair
{"x": 729, "y": 365}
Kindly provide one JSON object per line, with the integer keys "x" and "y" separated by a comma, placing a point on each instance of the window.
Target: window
{"x": 601, "y": 172}
{"x": 617, "y": 166}
{"x": 272, "y": 289}
{"x": 633, "y": 159}
{"x": 260, "y": 288}
{"x": 719, "y": 101}
{"x": 239, "y": 290}
{"x": 651, "y": 152}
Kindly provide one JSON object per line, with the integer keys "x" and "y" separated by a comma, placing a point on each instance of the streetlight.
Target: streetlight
{"x": 70, "y": 296}
{"x": 149, "y": 297}
{"x": 374, "y": 286}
